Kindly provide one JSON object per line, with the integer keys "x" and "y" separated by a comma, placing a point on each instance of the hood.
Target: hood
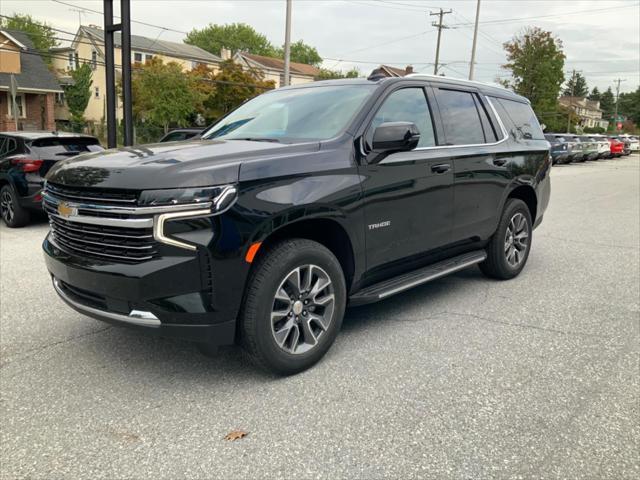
{"x": 191, "y": 163}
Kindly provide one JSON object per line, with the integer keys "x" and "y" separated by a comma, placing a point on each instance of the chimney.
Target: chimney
{"x": 408, "y": 69}
{"x": 225, "y": 54}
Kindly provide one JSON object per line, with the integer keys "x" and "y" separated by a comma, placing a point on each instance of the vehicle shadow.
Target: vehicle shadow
{"x": 181, "y": 361}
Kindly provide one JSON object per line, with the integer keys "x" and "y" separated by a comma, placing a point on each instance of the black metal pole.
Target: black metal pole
{"x": 110, "y": 74}
{"x": 125, "y": 13}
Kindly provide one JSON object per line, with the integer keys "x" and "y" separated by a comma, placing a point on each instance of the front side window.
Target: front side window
{"x": 295, "y": 115}
{"x": 406, "y": 105}
{"x": 460, "y": 118}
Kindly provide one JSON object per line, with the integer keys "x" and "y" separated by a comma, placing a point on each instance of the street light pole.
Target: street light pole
{"x": 475, "y": 41}
{"x": 287, "y": 45}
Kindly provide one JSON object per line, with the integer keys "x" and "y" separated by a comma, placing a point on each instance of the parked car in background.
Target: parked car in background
{"x": 634, "y": 143}
{"x": 181, "y": 134}
{"x": 577, "y": 149}
{"x": 604, "y": 149}
{"x": 25, "y": 158}
{"x": 617, "y": 147}
{"x": 626, "y": 144}
{"x": 559, "y": 148}
{"x": 590, "y": 147}
{"x": 302, "y": 200}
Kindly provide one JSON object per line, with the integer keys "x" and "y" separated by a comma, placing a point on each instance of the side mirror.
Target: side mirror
{"x": 395, "y": 137}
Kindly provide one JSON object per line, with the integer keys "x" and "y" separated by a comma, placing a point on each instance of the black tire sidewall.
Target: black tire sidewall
{"x": 261, "y": 302}
{"x": 512, "y": 207}
{"x": 20, "y": 215}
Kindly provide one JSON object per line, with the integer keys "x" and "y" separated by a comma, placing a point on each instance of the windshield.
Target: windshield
{"x": 302, "y": 114}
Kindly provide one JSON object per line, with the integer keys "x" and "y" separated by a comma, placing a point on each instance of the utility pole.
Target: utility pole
{"x": 440, "y": 27}
{"x": 475, "y": 41}
{"x": 573, "y": 85}
{"x": 618, "y": 81}
{"x": 287, "y": 45}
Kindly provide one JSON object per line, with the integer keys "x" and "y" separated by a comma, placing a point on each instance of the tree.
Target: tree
{"x": 40, "y": 33}
{"x": 233, "y": 86}
{"x": 576, "y": 86}
{"x": 629, "y": 105}
{"x": 301, "y": 53}
{"x": 235, "y": 37}
{"x": 163, "y": 94}
{"x": 595, "y": 94}
{"x": 326, "y": 74}
{"x": 607, "y": 103}
{"x": 78, "y": 95}
{"x": 536, "y": 62}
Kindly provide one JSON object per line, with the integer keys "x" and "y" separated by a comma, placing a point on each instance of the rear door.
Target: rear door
{"x": 475, "y": 142}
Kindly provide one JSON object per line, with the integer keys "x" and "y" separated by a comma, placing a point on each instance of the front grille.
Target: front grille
{"x": 130, "y": 245}
{"x": 108, "y": 236}
{"x": 93, "y": 196}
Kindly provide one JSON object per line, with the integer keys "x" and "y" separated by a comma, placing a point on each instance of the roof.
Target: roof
{"x": 172, "y": 49}
{"x": 394, "y": 71}
{"x": 34, "y": 73}
{"x": 34, "y": 135}
{"x": 278, "y": 64}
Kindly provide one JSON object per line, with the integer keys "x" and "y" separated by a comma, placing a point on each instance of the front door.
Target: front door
{"x": 408, "y": 195}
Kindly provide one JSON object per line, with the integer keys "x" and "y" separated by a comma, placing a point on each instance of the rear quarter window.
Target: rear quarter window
{"x": 523, "y": 119}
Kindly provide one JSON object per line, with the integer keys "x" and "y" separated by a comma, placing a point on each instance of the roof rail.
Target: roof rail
{"x": 428, "y": 75}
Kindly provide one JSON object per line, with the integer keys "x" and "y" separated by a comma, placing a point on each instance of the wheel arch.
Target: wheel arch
{"x": 329, "y": 232}
{"x": 528, "y": 195}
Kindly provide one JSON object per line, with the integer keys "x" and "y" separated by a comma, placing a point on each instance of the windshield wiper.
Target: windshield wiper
{"x": 257, "y": 139}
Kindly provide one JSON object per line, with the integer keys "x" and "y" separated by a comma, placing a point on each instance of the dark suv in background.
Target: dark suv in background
{"x": 25, "y": 158}
{"x": 302, "y": 201}
{"x": 560, "y": 148}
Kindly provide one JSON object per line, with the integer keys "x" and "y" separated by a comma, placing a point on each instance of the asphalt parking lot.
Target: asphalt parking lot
{"x": 461, "y": 378}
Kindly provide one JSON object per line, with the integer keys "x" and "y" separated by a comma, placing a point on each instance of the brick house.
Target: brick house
{"x": 37, "y": 86}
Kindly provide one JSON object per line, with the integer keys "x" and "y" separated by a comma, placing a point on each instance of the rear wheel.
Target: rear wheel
{"x": 294, "y": 306}
{"x": 12, "y": 213}
{"x": 509, "y": 247}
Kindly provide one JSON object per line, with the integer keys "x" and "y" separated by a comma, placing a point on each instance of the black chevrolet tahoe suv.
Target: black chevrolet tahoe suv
{"x": 303, "y": 201}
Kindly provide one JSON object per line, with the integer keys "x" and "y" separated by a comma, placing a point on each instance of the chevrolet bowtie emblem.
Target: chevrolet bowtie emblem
{"x": 65, "y": 210}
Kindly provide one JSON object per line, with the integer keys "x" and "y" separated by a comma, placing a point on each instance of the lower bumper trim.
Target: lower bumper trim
{"x": 135, "y": 317}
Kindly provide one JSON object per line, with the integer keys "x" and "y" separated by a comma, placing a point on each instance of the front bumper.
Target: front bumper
{"x": 166, "y": 296}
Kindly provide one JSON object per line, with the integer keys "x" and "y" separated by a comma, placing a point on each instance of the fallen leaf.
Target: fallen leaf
{"x": 235, "y": 435}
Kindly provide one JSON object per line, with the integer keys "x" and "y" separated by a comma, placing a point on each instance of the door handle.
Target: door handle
{"x": 499, "y": 162}
{"x": 440, "y": 168}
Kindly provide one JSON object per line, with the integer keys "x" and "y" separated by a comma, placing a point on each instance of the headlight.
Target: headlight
{"x": 192, "y": 203}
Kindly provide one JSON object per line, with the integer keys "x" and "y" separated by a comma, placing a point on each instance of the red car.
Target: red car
{"x": 617, "y": 147}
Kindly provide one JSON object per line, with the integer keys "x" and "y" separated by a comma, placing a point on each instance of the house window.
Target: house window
{"x": 96, "y": 92}
{"x": 195, "y": 64}
{"x": 94, "y": 59}
{"x": 137, "y": 57}
{"x": 148, "y": 58}
{"x": 71, "y": 62}
{"x": 59, "y": 98}
{"x": 20, "y": 105}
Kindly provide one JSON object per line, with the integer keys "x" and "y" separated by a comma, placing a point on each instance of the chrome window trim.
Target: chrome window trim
{"x": 135, "y": 317}
{"x": 505, "y": 134}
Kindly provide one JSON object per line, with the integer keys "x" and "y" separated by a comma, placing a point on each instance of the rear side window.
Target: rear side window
{"x": 175, "y": 136}
{"x": 65, "y": 146}
{"x": 406, "y": 105}
{"x": 523, "y": 119}
{"x": 460, "y": 117}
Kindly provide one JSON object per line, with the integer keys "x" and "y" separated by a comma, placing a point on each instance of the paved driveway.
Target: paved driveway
{"x": 461, "y": 378}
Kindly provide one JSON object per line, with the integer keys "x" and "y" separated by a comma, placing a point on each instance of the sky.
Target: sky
{"x": 600, "y": 38}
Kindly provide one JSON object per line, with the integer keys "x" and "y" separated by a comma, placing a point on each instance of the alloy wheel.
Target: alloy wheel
{"x": 6, "y": 206}
{"x": 303, "y": 308}
{"x": 516, "y": 240}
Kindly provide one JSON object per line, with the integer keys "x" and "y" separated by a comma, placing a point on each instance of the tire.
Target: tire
{"x": 13, "y": 215}
{"x": 297, "y": 338}
{"x": 505, "y": 258}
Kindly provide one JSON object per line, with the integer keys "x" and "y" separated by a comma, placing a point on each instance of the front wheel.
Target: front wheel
{"x": 293, "y": 307}
{"x": 508, "y": 249}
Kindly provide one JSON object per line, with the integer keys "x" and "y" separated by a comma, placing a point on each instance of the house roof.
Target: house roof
{"x": 34, "y": 73}
{"x": 278, "y": 64}
{"x": 394, "y": 71}
{"x": 172, "y": 49}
